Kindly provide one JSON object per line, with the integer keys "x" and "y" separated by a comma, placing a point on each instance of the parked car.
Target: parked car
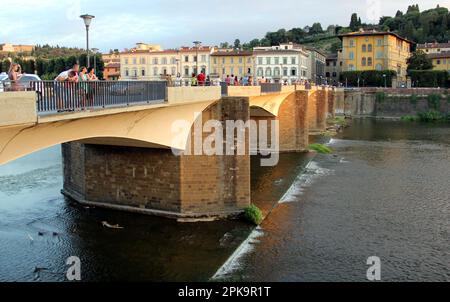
{"x": 24, "y": 83}
{"x": 3, "y": 77}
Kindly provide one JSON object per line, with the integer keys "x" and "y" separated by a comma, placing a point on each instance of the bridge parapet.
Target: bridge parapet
{"x": 17, "y": 108}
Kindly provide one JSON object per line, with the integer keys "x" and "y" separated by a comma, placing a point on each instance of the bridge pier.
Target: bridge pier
{"x": 318, "y": 110}
{"x": 158, "y": 182}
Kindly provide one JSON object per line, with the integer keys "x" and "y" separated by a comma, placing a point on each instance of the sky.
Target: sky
{"x": 173, "y": 23}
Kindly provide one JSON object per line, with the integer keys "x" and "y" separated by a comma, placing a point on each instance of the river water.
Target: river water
{"x": 385, "y": 192}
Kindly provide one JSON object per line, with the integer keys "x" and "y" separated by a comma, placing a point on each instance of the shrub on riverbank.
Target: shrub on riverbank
{"x": 253, "y": 214}
{"x": 319, "y": 148}
{"x": 431, "y": 116}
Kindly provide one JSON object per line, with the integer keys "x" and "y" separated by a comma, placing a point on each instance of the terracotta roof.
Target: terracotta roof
{"x": 433, "y": 45}
{"x": 112, "y": 65}
{"x": 232, "y": 53}
{"x": 374, "y": 33}
{"x": 273, "y": 51}
{"x": 445, "y": 54}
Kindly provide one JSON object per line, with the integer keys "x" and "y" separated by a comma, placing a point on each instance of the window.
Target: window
{"x": 369, "y": 48}
{"x": 276, "y": 72}
{"x": 364, "y": 48}
{"x": 378, "y": 67}
{"x": 241, "y": 70}
{"x": 294, "y": 72}
{"x": 232, "y": 70}
{"x": 268, "y": 72}
{"x": 224, "y": 71}
{"x": 142, "y": 61}
{"x": 164, "y": 61}
{"x": 351, "y": 43}
{"x": 438, "y": 62}
{"x": 369, "y": 61}
{"x": 224, "y": 60}
{"x": 174, "y": 70}
{"x": 155, "y": 71}
{"x": 155, "y": 61}
{"x": 195, "y": 58}
{"x": 327, "y": 74}
{"x": 364, "y": 61}
{"x": 260, "y": 61}
{"x": 285, "y": 72}
{"x": 203, "y": 58}
{"x": 379, "y": 55}
{"x": 277, "y": 60}
{"x": 351, "y": 55}
{"x": 232, "y": 60}
{"x": 334, "y": 74}
{"x": 249, "y": 60}
{"x": 268, "y": 60}
{"x": 240, "y": 60}
{"x": 186, "y": 71}
{"x": 379, "y": 42}
{"x": 260, "y": 72}
{"x": 285, "y": 61}
{"x": 126, "y": 61}
{"x": 173, "y": 60}
{"x": 293, "y": 60}
{"x": 143, "y": 72}
{"x": 351, "y": 67}
{"x": 127, "y": 72}
{"x": 134, "y": 61}
{"x": 186, "y": 59}
{"x": 215, "y": 60}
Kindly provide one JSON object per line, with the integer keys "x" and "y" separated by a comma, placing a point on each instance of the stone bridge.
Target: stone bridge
{"x": 123, "y": 157}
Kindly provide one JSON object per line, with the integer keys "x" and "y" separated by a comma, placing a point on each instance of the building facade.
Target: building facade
{"x": 332, "y": 69}
{"x": 111, "y": 72}
{"x": 317, "y": 65}
{"x": 372, "y": 50}
{"x": 286, "y": 63}
{"x": 441, "y": 61}
{"x": 232, "y": 62}
{"x": 150, "y": 62}
{"x": 9, "y": 48}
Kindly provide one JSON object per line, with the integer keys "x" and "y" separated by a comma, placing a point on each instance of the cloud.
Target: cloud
{"x": 120, "y": 24}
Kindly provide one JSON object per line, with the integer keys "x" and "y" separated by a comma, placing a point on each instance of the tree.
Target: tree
{"x": 354, "y": 22}
{"x": 316, "y": 28}
{"x": 225, "y": 45}
{"x": 419, "y": 61}
{"x": 237, "y": 44}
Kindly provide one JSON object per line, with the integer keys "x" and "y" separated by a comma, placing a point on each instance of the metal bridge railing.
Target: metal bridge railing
{"x": 55, "y": 96}
{"x": 271, "y": 87}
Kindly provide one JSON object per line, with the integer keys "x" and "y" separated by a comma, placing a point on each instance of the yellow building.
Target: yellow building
{"x": 234, "y": 62}
{"x": 372, "y": 50}
{"x": 441, "y": 61}
{"x": 430, "y": 48}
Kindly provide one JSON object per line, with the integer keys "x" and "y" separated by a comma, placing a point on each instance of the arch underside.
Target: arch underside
{"x": 153, "y": 128}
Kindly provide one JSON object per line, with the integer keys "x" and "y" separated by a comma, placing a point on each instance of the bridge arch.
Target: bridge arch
{"x": 148, "y": 128}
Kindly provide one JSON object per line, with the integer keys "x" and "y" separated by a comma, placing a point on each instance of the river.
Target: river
{"x": 384, "y": 192}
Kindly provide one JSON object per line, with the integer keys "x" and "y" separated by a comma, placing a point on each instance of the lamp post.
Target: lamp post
{"x": 87, "y": 22}
{"x": 95, "y": 51}
{"x": 197, "y": 46}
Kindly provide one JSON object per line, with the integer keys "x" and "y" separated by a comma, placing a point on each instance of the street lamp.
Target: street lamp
{"x": 87, "y": 21}
{"x": 95, "y": 51}
{"x": 197, "y": 46}
{"x": 385, "y": 80}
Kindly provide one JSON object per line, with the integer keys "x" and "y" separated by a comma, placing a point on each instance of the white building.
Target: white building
{"x": 284, "y": 63}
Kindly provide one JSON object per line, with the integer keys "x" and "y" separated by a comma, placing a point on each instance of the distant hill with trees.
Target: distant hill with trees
{"x": 426, "y": 26}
